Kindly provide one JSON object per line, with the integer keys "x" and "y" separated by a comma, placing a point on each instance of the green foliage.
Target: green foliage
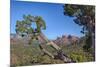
{"x": 87, "y": 44}
{"x": 68, "y": 10}
{"x": 77, "y": 53}
{"x": 78, "y": 57}
{"x": 44, "y": 59}
{"x": 85, "y": 16}
{"x": 25, "y": 26}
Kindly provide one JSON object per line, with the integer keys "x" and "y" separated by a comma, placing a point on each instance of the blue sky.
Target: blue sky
{"x": 57, "y": 24}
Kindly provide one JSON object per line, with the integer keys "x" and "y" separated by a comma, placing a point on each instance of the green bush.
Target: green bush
{"x": 78, "y": 58}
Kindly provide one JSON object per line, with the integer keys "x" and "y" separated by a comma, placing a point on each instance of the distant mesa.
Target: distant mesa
{"x": 63, "y": 40}
{"x": 66, "y": 40}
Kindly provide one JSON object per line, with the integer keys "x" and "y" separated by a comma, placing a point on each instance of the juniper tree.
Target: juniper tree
{"x": 84, "y": 16}
{"x": 26, "y": 27}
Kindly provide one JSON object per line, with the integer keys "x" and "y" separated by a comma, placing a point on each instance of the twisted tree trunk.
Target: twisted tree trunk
{"x": 60, "y": 53}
